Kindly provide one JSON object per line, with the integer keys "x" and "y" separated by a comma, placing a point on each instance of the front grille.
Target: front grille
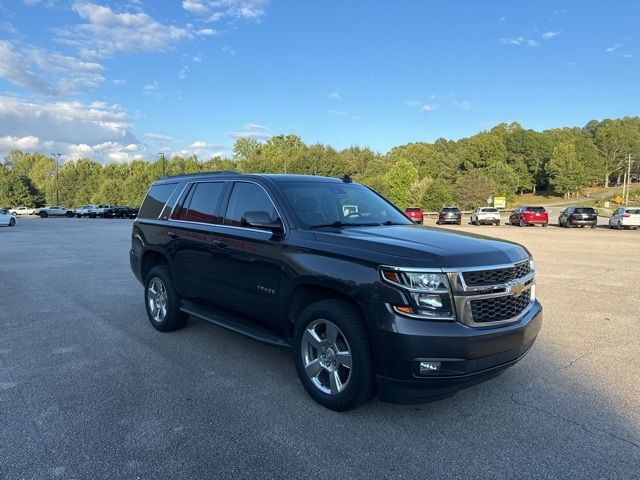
{"x": 498, "y": 276}
{"x": 499, "y": 308}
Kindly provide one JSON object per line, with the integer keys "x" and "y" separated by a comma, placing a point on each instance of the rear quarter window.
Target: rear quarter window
{"x": 155, "y": 200}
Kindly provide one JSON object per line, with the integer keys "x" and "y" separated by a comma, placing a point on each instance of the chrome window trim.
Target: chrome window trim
{"x": 173, "y": 209}
{"x": 220, "y": 225}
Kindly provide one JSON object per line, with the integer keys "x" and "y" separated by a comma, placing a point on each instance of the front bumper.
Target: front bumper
{"x": 467, "y": 355}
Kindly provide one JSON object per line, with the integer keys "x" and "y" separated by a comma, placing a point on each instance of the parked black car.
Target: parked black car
{"x": 578, "y": 217}
{"x": 449, "y": 215}
{"x": 367, "y": 301}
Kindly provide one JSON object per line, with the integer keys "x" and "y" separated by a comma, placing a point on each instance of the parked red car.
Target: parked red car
{"x": 524, "y": 216}
{"x": 415, "y": 214}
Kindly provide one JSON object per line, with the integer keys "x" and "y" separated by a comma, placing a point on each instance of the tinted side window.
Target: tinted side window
{"x": 155, "y": 200}
{"x": 202, "y": 202}
{"x": 248, "y": 197}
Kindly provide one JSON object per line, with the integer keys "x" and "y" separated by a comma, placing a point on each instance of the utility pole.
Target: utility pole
{"x": 57, "y": 157}
{"x": 628, "y": 175}
{"x": 163, "y": 161}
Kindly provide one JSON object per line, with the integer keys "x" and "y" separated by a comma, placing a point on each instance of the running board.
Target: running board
{"x": 235, "y": 324}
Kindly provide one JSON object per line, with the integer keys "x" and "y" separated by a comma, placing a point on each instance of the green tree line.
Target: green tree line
{"x": 506, "y": 160}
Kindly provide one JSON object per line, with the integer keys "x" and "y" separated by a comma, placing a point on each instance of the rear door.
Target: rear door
{"x": 195, "y": 259}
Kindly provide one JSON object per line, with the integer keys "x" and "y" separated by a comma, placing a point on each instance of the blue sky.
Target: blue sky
{"x": 119, "y": 80}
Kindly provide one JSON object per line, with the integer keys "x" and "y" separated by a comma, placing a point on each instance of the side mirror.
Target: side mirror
{"x": 262, "y": 220}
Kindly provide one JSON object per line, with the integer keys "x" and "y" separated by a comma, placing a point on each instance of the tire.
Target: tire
{"x": 163, "y": 307}
{"x": 459, "y": 222}
{"x": 43, "y": 214}
{"x": 12, "y": 222}
{"x": 544, "y": 224}
{"x": 69, "y": 214}
{"x": 594, "y": 225}
{"x": 334, "y": 386}
{"x": 498, "y": 223}
{"x": 92, "y": 215}
{"x": 522, "y": 224}
{"x": 79, "y": 215}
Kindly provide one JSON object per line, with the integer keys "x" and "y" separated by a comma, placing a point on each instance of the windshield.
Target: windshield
{"x": 342, "y": 204}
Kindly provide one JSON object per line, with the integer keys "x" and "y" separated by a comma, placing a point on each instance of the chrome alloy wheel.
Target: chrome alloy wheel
{"x": 326, "y": 356}
{"x": 157, "y": 299}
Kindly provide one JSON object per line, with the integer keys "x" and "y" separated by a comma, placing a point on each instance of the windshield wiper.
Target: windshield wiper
{"x": 340, "y": 223}
{"x": 391, "y": 222}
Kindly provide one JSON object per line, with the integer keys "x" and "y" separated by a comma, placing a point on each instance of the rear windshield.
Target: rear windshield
{"x": 490, "y": 210}
{"x": 536, "y": 209}
{"x": 633, "y": 211}
{"x": 155, "y": 200}
{"x": 589, "y": 211}
{"x": 450, "y": 209}
{"x": 413, "y": 209}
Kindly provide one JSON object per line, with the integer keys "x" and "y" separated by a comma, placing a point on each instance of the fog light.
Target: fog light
{"x": 428, "y": 367}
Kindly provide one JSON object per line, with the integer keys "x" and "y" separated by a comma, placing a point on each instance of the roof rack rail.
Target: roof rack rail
{"x": 199, "y": 174}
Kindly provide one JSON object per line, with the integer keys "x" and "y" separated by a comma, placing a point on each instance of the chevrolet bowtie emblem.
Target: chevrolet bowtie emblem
{"x": 515, "y": 288}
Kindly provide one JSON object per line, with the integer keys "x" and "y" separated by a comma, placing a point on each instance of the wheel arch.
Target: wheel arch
{"x": 305, "y": 294}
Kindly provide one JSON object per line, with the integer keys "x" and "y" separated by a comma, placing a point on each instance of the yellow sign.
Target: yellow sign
{"x": 500, "y": 202}
{"x": 618, "y": 199}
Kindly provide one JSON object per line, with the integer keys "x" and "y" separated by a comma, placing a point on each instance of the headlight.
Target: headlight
{"x": 532, "y": 265}
{"x": 429, "y": 293}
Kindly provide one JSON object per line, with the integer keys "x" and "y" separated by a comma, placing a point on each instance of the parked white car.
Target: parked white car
{"x": 486, "y": 215}
{"x": 22, "y": 211}
{"x": 7, "y": 219}
{"x": 53, "y": 211}
{"x": 625, "y": 217}
{"x": 86, "y": 211}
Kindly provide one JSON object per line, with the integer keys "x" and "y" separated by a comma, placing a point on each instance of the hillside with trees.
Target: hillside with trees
{"x": 507, "y": 160}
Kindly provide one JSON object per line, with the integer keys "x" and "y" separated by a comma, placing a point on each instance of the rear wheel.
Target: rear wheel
{"x": 12, "y": 222}
{"x": 44, "y": 214}
{"x": 522, "y": 224}
{"x": 498, "y": 223}
{"x": 332, "y": 355}
{"x": 162, "y": 301}
{"x": 545, "y": 224}
{"x": 69, "y": 214}
{"x": 594, "y": 225}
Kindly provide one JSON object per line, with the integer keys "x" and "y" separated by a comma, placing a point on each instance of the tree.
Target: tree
{"x": 399, "y": 178}
{"x": 566, "y": 173}
{"x": 614, "y": 143}
{"x": 473, "y": 189}
{"x": 437, "y": 194}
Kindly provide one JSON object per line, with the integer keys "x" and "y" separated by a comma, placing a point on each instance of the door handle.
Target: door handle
{"x": 173, "y": 235}
{"x": 219, "y": 243}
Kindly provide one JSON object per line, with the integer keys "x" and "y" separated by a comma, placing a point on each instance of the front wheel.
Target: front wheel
{"x": 44, "y": 214}
{"x": 69, "y": 214}
{"x": 162, "y": 301}
{"x": 332, "y": 355}
{"x": 498, "y": 223}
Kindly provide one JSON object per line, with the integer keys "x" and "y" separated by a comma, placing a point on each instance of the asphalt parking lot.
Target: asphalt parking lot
{"x": 89, "y": 390}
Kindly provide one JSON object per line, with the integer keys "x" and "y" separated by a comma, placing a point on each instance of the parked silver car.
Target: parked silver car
{"x": 625, "y": 217}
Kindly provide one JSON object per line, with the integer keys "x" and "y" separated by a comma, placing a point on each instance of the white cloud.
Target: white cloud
{"x": 207, "y": 32}
{"x": 338, "y": 112}
{"x": 17, "y": 70}
{"x": 520, "y": 41}
{"x": 249, "y": 134}
{"x": 47, "y": 71}
{"x": 197, "y": 58}
{"x": 157, "y": 137}
{"x": 182, "y": 73}
{"x": 334, "y": 96}
{"x": 615, "y": 50}
{"x": 215, "y": 10}
{"x": 119, "y": 81}
{"x": 152, "y": 89}
{"x": 426, "y": 109}
{"x": 464, "y": 104}
{"x": 550, "y": 34}
{"x": 202, "y": 145}
{"x": 502, "y": 19}
{"x": 229, "y": 51}
{"x": 254, "y": 126}
{"x": 106, "y": 32}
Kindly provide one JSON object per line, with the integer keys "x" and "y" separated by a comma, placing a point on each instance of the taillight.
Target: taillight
{"x": 626, "y": 215}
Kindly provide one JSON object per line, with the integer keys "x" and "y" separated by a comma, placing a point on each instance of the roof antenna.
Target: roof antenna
{"x": 347, "y": 178}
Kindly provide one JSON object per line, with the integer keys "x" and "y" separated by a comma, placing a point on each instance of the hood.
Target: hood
{"x": 428, "y": 247}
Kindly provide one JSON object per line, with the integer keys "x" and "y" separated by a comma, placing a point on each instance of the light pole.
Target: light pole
{"x": 57, "y": 157}
{"x": 163, "y": 168}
